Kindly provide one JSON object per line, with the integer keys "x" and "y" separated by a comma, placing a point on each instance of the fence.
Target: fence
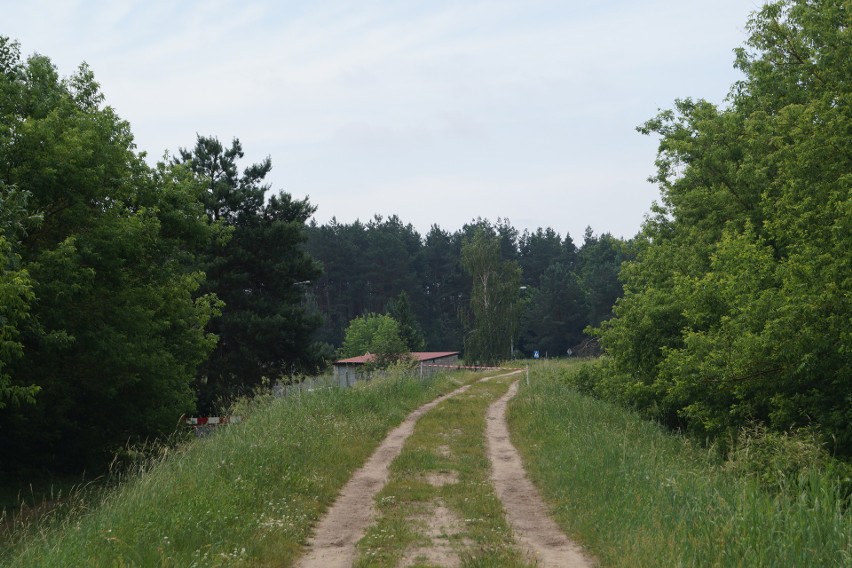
{"x": 205, "y": 425}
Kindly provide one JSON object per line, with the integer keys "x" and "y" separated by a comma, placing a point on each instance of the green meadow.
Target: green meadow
{"x": 632, "y": 493}
{"x": 636, "y": 495}
{"x": 246, "y": 496}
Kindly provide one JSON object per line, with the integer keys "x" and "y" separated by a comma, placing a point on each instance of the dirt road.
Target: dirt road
{"x": 335, "y": 537}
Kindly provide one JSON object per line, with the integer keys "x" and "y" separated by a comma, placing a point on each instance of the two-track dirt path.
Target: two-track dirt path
{"x": 335, "y": 537}
{"x": 526, "y": 512}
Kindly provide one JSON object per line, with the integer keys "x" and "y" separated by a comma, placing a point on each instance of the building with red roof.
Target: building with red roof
{"x": 347, "y": 371}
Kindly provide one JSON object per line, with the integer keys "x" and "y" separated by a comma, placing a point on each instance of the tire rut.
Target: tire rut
{"x": 534, "y": 529}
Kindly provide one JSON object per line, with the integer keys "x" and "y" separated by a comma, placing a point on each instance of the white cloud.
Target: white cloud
{"x": 515, "y": 109}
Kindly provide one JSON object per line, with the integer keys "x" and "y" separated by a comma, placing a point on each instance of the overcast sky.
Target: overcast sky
{"x": 437, "y": 111}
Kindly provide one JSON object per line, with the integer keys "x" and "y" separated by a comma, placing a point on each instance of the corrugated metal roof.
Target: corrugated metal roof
{"x": 418, "y": 355}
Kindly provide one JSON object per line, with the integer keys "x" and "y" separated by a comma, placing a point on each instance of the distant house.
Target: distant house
{"x": 347, "y": 371}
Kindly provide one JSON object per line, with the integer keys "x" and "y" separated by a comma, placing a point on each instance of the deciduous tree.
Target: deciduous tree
{"x": 494, "y": 299}
{"x": 114, "y": 330}
{"x": 375, "y": 334}
{"x": 737, "y": 308}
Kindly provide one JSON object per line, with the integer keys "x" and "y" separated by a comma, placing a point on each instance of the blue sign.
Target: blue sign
{"x": 535, "y": 355}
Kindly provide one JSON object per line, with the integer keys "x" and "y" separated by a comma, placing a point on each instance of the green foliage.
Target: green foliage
{"x": 15, "y": 296}
{"x": 108, "y": 322}
{"x": 599, "y": 261}
{"x": 737, "y": 308}
{"x": 494, "y": 298}
{"x": 366, "y": 266}
{"x": 781, "y": 461}
{"x": 565, "y": 289}
{"x": 258, "y": 268}
{"x": 568, "y": 289}
{"x": 409, "y": 329}
{"x": 555, "y": 313}
{"x": 15, "y": 287}
{"x": 541, "y": 250}
{"x": 445, "y": 287}
{"x": 379, "y": 335}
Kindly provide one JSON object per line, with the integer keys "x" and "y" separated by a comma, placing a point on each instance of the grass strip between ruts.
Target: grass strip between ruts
{"x": 439, "y": 506}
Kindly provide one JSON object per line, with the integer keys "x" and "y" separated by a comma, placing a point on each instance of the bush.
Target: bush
{"x": 585, "y": 378}
{"x": 783, "y": 461}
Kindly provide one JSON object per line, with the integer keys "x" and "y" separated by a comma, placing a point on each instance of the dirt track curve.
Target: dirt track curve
{"x": 335, "y": 536}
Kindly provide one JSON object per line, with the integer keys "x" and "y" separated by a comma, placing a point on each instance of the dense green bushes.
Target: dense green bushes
{"x": 108, "y": 277}
{"x": 778, "y": 461}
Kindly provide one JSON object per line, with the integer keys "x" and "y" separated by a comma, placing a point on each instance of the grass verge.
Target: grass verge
{"x": 439, "y": 507}
{"x": 247, "y": 496}
{"x": 635, "y": 495}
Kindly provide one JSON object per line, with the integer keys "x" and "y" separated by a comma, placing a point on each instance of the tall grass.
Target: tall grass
{"x": 636, "y": 495}
{"x": 245, "y": 496}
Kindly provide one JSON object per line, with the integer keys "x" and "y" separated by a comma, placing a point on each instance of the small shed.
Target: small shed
{"x": 347, "y": 371}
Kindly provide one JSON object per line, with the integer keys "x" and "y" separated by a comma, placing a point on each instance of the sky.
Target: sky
{"x": 439, "y": 112}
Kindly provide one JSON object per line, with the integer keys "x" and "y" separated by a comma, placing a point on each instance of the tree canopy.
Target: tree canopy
{"x": 258, "y": 268}
{"x": 374, "y": 334}
{"x": 409, "y": 329}
{"x": 113, "y": 273}
{"x": 737, "y": 308}
{"x": 97, "y": 278}
{"x": 493, "y": 301}
{"x": 564, "y": 288}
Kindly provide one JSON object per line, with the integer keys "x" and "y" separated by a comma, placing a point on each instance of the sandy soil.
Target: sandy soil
{"x": 334, "y": 539}
{"x": 526, "y": 512}
{"x": 439, "y": 526}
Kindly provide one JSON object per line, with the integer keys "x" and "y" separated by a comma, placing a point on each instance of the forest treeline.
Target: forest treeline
{"x": 132, "y": 294}
{"x": 562, "y": 288}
